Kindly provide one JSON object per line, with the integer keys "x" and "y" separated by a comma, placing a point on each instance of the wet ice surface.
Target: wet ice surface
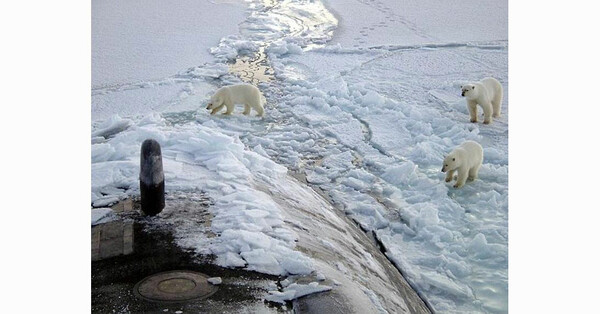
{"x": 366, "y": 118}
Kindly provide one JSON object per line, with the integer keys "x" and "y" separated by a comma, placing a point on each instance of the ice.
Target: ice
{"x": 105, "y": 201}
{"x": 481, "y": 249}
{"x": 447, "y": 285}
{"x": 372, "y": 98}
{"x": 411, "y": 115}
{"x": 102, "y": 152}
{"x": 249, "y": 240}
{"x": 246, "y": 222}
{"x": 295, "y": 290}
{"x": 215, "y": 280}
{"x": 284, "y": 47}
{"x": 262, "y": 261}
{"x": 127, "y": 48}
{"x": 402, "y": 174}
{"x": 230, "y": 259}
{"x": 286, "y": 282}
{"x": 493, "y": 155}
{"x": 209, "y": 71}
{"x": 281, "y": 297}
{"x": 102, "y": 215}
{"x": 232, "y": 46}
{"x": 111, "y": 127}
{"x": 364, "y": 105}
{"x": 426, "y": 216}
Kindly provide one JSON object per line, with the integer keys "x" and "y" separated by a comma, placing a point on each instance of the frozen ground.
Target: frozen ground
{"x": 141, "y": 41}
{"x": 363, "y": 103}
{"x": 368, "y": 23}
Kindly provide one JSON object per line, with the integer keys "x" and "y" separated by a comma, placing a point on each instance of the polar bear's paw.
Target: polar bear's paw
{"x": 458, "y": 185}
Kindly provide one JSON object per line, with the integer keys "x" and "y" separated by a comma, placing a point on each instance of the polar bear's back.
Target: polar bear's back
{"x": 472, "y": 147}
{"x": 492, "y": 85}
{"x": 473, "y": 151}
{"x": 242, "y": 93}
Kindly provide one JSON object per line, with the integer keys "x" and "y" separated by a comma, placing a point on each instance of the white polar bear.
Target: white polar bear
{"x": 465, "y": 159}
{"x": 228, "y": 96}
{"x": 488, "y": 94}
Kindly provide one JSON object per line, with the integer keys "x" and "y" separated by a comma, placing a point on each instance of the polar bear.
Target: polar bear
{"x": 488, "y": 94}
{"x": 228, "y": 96}
{"x": 465, "y": 159}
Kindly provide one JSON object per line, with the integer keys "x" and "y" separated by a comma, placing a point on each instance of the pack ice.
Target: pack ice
{"x": 361, "y": 111}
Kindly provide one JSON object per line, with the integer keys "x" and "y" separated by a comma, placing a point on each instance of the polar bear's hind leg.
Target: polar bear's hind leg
{"x": 473, "y": 173}
{"x": 230, "y": 106}
{"x": 259, "y": 107}
{"x": 497, "y": 103}
{"x": 260, "y": 111}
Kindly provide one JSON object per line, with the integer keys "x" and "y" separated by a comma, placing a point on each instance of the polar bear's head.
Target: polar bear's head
{"x": 215, "y": 101}
{"x": 451, "y": 162}
{"x": 468, "y": 91}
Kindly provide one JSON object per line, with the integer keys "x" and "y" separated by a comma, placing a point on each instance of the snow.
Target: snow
{"x": 250, "y": 225}
{"x": 151, "y": 40}
{"x": 111, "y": 126}
{"x": 410, "y": 22}
{"x": 295, "y": 291}
{"x": 102, "y": 215}
{"x": 366, "y": 104}
{"x": 412, "y": 116}
{"x": 215, "y": 280}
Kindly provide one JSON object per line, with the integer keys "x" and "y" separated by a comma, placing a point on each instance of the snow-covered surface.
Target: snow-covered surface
{"x": 368, "y": 23}
{"x": 144, "y": 41}
{"x": 390, "y": 134}
{"x": 102, "y": 215}
{"x": 195, "y": 156}
{"x": 366, "y": 116}
{"x": 295, "y": 291}
{"x": 215, "y": 280}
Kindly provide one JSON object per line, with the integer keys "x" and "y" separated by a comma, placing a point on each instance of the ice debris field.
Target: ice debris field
{"x": 363, "y": 103}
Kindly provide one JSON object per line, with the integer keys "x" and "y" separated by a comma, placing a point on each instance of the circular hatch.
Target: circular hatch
{"x": 174, "y": 286}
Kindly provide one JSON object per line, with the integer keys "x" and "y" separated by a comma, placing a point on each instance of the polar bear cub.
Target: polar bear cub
{"x": 488, "y": 94}
{"x": 245, "y": 94}
{"x": 465, "y": 159}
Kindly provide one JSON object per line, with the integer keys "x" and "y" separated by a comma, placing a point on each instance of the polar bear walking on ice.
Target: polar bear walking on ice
{"x": 244, "y": 94}
{"x": 488, "y": 94}
{"x": 465, "y": 159}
